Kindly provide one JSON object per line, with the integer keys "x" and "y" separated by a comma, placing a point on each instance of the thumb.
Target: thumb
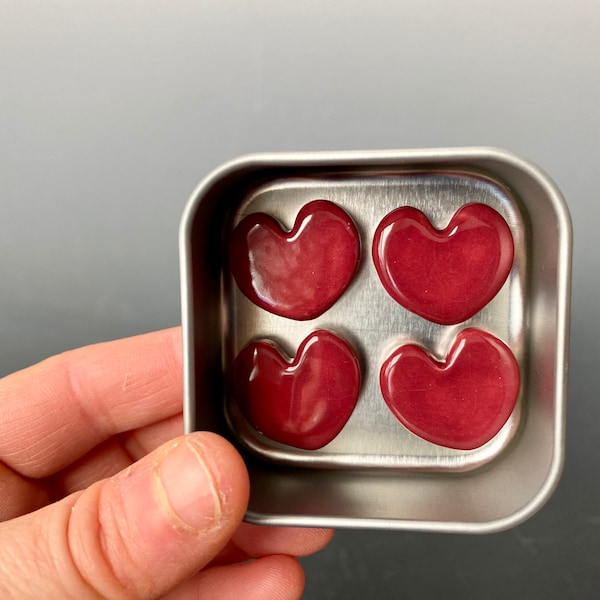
{"x": 137, "y": 534}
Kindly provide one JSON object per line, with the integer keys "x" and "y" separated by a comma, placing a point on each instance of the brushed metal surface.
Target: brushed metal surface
{"x": 372, "y": 321}
{"x": 375, "y": 473}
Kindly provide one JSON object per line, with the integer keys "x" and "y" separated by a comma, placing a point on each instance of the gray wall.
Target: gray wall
{"x": 111, "y": 112}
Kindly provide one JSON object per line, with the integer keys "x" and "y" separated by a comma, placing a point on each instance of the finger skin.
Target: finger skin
{"x": 125, "y": 537}
{"x": 114, "y": 455}
{"x": 19, "y": 495}
{"x": 276, "y": 577}
{"x": 103, "y": 461}
{"x": 56, "y": 411}
{"x": 256, "y": 540}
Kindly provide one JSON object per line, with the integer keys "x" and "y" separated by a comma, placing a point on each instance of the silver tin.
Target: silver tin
{"x": 375, "y": 473}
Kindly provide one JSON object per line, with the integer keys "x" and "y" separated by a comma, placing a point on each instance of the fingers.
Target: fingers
{"x": 255, "y": 540}
{"x": 56, "y": 411}
{"x": 114, "y": 455}
{"x": 138, "y": 534}
{"x": 19, "y": 495}
{"x": 143, "y": 440}
{"x": 272, "y": 577}
{"x": 103, "y": 461}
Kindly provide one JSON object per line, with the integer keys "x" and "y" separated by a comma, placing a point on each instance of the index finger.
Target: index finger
{"x": 56, "y": 411}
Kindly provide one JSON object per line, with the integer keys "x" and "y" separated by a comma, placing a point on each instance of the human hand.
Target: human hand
{"x": 101, "y": 497}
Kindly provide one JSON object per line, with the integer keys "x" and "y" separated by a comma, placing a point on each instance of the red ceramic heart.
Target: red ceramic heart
{"x": 462, "y": 402}
{"x": 297, "y": 274}
{"x": 444, "y": 276}
{"x": 304, "y": 402}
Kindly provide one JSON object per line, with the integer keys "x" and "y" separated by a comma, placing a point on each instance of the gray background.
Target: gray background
{"x": 111, "y": 112}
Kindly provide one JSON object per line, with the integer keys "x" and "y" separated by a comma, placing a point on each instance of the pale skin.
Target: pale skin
{"x": 102, "y": 497}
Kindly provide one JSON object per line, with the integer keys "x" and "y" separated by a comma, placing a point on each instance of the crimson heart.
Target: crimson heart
{"x": 444, "y": 276}
{"x": 462, "y": 402}
{"x": 304, "y": 402}
{"x": 297, "y": 274}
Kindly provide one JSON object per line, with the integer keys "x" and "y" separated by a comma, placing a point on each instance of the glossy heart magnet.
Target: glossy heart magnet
{"x": 303, "y": 402}
{"x": 448, "y": 275}
{"x": 300, "y": 273}
{"x": 459, "y": 402}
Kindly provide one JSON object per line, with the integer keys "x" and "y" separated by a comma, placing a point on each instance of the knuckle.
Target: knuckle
{"x": 100, "y": 548}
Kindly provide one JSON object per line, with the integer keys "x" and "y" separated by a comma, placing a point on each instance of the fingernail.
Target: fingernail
{"x": 189, "y": 487}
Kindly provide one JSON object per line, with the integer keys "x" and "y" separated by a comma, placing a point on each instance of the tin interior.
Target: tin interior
{"x": 375, "y": 472}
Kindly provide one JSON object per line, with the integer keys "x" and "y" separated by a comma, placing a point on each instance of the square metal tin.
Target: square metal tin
{"x": 376, "y": 473}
